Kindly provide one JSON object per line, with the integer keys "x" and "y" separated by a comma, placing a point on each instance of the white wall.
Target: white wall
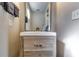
{"x": 4, "y": 29}
{"x": 38, "y": 20}
{"x": 67, "y": 30}
{"x": 9, "y": 34}
{"x": 3, "y": 33}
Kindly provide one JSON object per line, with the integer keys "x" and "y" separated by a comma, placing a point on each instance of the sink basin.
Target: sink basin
{"x": 38, "y": 34}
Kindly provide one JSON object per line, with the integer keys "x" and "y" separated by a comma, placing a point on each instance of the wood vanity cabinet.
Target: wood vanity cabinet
{"x": 38, "y": 46}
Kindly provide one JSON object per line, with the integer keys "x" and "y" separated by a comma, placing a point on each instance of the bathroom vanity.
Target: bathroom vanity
{"x": 38, "y": 44}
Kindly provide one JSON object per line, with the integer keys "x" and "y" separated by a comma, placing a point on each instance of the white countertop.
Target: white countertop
{"x": 37, "y": 33}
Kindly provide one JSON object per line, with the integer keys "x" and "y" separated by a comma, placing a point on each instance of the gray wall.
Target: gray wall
{"x": 67, "y": 30}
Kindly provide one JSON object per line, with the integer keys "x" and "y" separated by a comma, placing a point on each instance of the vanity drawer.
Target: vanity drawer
{"x": 38, "y": 54}
{"x": 39, "y": 42}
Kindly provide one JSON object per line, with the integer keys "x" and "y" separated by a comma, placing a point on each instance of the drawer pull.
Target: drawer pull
{"x": 36, "y": 45}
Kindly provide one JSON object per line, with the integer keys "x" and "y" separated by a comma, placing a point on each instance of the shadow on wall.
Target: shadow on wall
{"x": 60, "y": 49}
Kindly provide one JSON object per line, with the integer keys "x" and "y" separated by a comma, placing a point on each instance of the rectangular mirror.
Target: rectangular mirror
{"x": 37, "y": 16}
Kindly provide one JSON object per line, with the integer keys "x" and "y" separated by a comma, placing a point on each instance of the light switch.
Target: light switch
{"x": 75, "y": 14}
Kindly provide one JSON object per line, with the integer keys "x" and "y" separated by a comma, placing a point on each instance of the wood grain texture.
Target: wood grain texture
{"x": 48, "y": 48}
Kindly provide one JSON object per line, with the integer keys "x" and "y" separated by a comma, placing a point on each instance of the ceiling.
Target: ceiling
{"x": 38, "y": 6}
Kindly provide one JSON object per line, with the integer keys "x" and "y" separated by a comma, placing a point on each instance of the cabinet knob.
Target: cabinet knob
{"x": 40, "y": 45}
